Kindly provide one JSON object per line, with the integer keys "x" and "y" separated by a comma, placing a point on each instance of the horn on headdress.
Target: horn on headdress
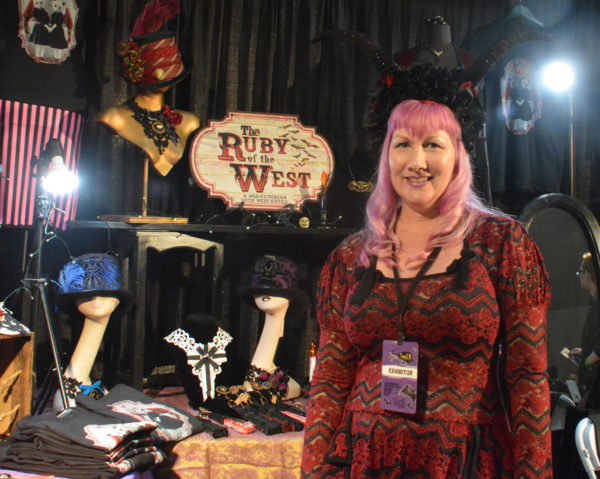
{"x": 453, "y": 88}
{"x": 516, "y": 35}
{"x": 384, "y": 63}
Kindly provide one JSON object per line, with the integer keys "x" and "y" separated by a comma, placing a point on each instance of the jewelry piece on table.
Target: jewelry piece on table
{"x": 274, "y": 384}
{"x": 360, "y": 186}
{"x": 242, "y": 399}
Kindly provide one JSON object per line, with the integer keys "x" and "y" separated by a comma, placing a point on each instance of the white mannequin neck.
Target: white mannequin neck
{"x": 275, "y": 309}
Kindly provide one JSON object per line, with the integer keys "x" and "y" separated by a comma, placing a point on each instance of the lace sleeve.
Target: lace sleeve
{"x": 524, "y": 298}
{"x": 335, "y": 366}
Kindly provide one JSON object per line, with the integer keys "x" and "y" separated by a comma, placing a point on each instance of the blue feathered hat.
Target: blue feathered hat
{"x": 90, "y": 275}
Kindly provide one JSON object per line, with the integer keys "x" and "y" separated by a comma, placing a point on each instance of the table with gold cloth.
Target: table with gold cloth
{"x": 255, "y": 456}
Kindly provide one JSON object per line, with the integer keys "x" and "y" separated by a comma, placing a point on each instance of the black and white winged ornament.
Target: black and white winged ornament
{"x": 454, "y": 88}
{"x": 204, "y": 359}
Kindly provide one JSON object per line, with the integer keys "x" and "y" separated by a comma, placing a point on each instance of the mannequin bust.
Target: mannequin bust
{"x": 435, "y": 48}
{"x": 119, "y": 119}
{"x": 275, "y": 309}
{"x": 151, "y": 60}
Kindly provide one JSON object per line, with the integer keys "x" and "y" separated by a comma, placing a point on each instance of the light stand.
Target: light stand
{"x": 41, "y": 284}
{"x": 571, "y": 148}
{"x": 54, "y": 178}
{"x": 559, "y": 77}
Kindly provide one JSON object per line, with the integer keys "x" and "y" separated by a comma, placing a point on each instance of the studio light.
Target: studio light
{"x": 58, "y": 179}
{"x": 559, "y": 76}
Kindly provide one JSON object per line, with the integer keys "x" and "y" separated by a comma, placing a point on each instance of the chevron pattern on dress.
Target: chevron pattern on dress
{"x": 460, "y": 428}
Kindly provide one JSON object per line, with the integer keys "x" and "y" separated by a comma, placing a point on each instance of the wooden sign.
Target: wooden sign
{"x": 263, "y": 161}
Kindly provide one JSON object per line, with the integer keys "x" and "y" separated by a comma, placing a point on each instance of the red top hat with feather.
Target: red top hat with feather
{"x": 151, "y": 58}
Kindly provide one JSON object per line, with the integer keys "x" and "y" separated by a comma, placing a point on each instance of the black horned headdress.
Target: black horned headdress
{"x": 454, "y": 88}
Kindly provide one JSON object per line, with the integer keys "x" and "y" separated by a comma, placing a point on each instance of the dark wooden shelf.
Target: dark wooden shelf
{"x": 233, "y": 230}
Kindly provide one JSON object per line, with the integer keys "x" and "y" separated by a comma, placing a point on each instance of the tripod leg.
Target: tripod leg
{"x": 48, "y": 386}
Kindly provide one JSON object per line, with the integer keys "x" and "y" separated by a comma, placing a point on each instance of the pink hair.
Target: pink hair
{"x": 459, "y": 206}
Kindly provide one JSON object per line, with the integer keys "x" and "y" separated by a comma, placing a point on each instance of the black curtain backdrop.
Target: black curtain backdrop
{"x": 259, "y": 55}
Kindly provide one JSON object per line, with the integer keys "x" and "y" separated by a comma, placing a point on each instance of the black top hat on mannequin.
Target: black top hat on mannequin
{"x": 276, "y": 276}
{"x": 88, "y": 276}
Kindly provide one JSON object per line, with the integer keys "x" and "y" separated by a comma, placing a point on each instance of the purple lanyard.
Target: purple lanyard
{"x": 403, "y": 299}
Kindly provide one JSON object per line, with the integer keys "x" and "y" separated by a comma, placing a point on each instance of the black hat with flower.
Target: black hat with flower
{"x": 88, "y": 276}
{"x": 454, "y": 88}
{"x": 276, "y": 276}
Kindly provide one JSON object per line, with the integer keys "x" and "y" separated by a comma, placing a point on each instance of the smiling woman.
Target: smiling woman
{"x": 423, "y": 138}
{"x": 452, "y": 295}
{"x": 421, "y": 168}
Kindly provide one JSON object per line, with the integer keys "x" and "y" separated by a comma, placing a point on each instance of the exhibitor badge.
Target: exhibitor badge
{"x": 399, "y": 367}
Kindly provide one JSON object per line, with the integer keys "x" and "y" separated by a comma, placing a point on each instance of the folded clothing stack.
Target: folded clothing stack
{"x": 104, "y": 438}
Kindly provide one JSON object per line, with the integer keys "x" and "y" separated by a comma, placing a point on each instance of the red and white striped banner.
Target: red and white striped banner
{"x": 25, "y": 130}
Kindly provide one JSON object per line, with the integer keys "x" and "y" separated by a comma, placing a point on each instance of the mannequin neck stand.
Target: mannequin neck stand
{"x": 97, "y": 311}
{"x": 275, "y": 309}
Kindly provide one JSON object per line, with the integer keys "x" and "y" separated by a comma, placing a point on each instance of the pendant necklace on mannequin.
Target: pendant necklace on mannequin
{"x": 158, "y": 125}
{"x": 360, "y": 186}
{"x": 437, "y": 53}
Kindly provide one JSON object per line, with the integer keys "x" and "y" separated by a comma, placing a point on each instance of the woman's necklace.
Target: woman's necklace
{"x": 158, "y": 125}
{"x": 437, "y": 53}
{"x": 360, "y": 186}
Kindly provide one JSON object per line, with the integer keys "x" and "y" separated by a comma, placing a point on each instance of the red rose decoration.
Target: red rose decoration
{"x": 172, "y": 117}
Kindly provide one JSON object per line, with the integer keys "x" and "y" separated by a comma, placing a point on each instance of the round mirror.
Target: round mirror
{"x": 564, "y": 229}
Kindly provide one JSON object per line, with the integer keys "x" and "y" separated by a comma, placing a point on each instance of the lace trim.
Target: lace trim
{"x": 459, "y": 264}
{"x": 205, "y": 359}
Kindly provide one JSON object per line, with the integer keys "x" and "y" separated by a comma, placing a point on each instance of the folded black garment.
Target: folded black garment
{"x": 95, "y": 433}
{"x": 61, "y": 464}
{"x": 268, "y": 418}
{"x": 290, "y": 411}
{"x": 288, "y": 407}
{"x": 101, "y": 438}
{"x": 288, "y": 424}
{"x": 126, "y": 403}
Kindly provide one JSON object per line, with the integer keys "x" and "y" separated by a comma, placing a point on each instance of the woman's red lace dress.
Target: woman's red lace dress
{"x": 472, "y": 420}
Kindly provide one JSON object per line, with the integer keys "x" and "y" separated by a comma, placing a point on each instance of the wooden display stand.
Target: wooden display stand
{"x": 16, "y": 380}
{"x": 144, "y": 218}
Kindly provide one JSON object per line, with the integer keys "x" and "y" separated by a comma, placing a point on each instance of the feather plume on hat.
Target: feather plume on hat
{"x": 90, "y": 275}
{"x": 154, "y": 15}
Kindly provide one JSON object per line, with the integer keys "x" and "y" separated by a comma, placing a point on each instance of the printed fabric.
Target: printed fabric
{"x": 477, "y": 416}
{"x": 98, "y": 439}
